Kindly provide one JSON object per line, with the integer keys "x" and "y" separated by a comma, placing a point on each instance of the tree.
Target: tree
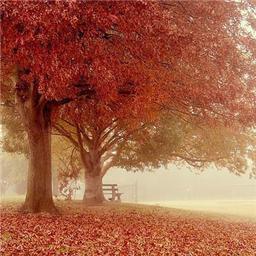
{"x": 42, "y": 79}
{"x": 196, "y": 59}
{"x": 170, "y": 140}
{"x": 48, "y": 65}
{"x": 197, "y": 145}
{"x": 68, "y": 175}
{"x": 10, "y": 174}
{"x": 202, "y": 73}
{"x": 98, "y": 140}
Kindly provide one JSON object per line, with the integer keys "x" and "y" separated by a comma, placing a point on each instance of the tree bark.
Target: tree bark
{"x": 93, "y": 193}
{"x": 91, "y": 159}
{"x": 36, "y": 116}
{"x": 39, "y": 185}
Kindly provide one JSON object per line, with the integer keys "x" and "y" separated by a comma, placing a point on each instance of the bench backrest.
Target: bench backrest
{"x": 110, "y": 188}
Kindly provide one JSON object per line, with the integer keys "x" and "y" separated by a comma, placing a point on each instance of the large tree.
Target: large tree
{"x": 49, "y": 50}
{"x": 168, "y": 140}
{"x": 196, "y": 59}
{"x": 98, "y": 140}
{"x": 203, "y": 73}
{"x": 45, "y": 61}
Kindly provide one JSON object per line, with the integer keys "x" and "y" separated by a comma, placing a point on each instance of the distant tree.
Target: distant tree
{"x": 3, "y": 186}
{"x": 68, "y": 167}
{"x": 13, "y": 137}
{"x": 68, "y": 176}
{"x": 175, "y": 141}
{"x": 13, "y": 171}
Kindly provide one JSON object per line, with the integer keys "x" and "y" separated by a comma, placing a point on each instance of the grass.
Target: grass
{"x": 234, "y": 209}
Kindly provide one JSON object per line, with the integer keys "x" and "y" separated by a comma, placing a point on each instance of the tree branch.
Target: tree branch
{"x": 85, "y": 136}
{"x": 83, "y": 152}
{"x": 88, "y": 93}
{"x": 66, "y": 134}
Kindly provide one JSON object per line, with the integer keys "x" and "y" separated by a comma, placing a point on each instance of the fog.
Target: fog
{"x": 183, "y": 184}
{"x": 157, "y": 185}
{"x": 213, "y": 191}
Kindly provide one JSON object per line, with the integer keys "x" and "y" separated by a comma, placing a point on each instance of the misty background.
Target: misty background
{"x": 183, "y": 184}
{"x": 157, "y": 185}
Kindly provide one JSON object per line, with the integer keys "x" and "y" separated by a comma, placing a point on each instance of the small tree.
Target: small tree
{"x": 69, "y": 169}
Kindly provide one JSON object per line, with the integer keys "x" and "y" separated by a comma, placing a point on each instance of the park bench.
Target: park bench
{"x": 112, "y": 189}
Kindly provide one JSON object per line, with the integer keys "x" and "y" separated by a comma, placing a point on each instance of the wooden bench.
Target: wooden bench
{"x": 112, "y": 189}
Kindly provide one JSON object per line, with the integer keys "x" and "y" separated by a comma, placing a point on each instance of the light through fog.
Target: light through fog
{"x": 212, "y": 191}
{"x": 216, "y": 191}
{"x": 161, "y": 184}
{"x": 183, "y": 184}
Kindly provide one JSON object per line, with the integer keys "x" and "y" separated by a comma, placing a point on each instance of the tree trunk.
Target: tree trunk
{"x": 36, "y": 116}
{"x": 39, "y": 184}
{"x": 93, "y": 193}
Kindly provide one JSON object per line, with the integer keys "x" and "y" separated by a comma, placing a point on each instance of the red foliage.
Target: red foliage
{"x": 129, "y": 232}
{"x": 197, "y": 57}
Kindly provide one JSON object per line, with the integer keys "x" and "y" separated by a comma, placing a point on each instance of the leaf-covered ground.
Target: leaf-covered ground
{"x": 123, "y": 230}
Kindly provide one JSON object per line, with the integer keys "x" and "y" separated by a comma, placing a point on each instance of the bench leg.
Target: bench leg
{"x": 118, "y": 197}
